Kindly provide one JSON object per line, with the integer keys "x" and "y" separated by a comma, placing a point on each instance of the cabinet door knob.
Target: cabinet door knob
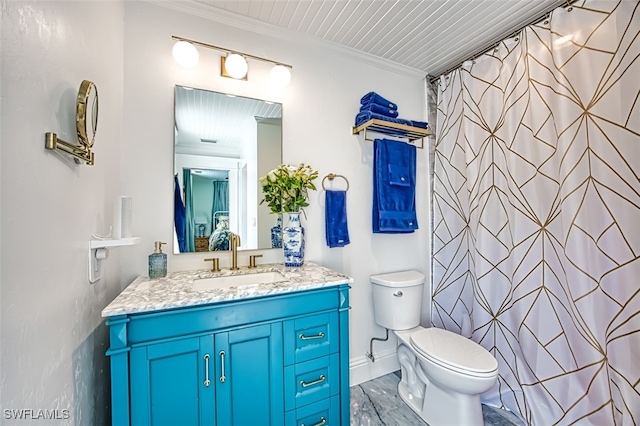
{"x": 316, "y": 336}
{"x": 322, "y": 422}
{"x": 223, "y": 378}
{"x": 207, "y": 382}
{"x": 321, "y": 379}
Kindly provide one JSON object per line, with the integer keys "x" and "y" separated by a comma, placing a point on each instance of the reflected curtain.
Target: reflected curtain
{"x": 188, "y": 211}
{"x": 536, "y": 203}
{"x": 220, "y": 199}
{"x": 179, "y": 215}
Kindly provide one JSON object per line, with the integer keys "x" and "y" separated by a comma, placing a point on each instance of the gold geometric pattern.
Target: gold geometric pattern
{"x": 536, "y": 214}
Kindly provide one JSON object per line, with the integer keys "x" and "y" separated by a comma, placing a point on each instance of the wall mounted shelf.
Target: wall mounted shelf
{"x": 99, "y": 251}
{"x": 410, "y": 133}
{"x": 94, "y": 244}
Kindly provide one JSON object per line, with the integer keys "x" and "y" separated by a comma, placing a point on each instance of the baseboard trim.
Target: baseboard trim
{"x": 361, "y": 369}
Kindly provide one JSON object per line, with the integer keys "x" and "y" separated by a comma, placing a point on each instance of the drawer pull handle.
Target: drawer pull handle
{"x": 321, "y": 379}
{"x": 322, "y": 422}
{"x": 317, "y": 336}
{"x": 222, "y": 376}
{"x": 207, "y": 382}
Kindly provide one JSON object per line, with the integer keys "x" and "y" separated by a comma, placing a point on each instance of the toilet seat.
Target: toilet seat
{"x": 454, "y": 352}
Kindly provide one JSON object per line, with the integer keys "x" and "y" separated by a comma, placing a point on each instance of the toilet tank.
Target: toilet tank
{"x": 397, "y": 299}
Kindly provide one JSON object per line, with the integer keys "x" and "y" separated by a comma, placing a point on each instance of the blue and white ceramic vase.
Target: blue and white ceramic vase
{"x": 293, "y": 241}
{"x": 276, "y": 233}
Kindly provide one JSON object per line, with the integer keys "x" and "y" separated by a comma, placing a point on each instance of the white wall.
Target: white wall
{"x": 318, "y": 113}
{"x": 53, "y": 338}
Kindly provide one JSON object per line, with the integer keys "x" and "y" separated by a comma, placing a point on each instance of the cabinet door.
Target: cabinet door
{"x": 249, "y": 376}
{"x": 169, "y": 383}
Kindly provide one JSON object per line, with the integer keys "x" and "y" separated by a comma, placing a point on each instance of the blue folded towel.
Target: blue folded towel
{"x": 373, "y": 97}
{"x": 420, "y": 124}
{"x": 394, "y": 187}
{"x": 379, "y": 109}
{"x": 365, "y": 116}
{"x": 335, "y": 210}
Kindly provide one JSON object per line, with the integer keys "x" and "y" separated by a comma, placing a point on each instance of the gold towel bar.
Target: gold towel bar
{"x": 332, "y": 176}
{"x": 397, "y": 130}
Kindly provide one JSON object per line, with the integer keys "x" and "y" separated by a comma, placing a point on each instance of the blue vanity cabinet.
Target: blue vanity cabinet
{"x": 271, "y": 360}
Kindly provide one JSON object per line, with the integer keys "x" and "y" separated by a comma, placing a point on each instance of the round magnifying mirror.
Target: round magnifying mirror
{"x": 87, "y": 113}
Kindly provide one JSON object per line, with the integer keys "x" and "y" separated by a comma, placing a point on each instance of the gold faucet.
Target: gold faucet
{"x": 215, "y": 267}
{"x": 234, "y": 242}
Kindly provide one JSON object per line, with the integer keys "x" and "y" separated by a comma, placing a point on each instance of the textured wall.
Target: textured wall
{"x": 53, "y": 339}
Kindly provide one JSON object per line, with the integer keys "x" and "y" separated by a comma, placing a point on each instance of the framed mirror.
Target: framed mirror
{"x": 222, "y": 145}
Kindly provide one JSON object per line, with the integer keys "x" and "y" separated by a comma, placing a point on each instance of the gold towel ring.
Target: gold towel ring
{"x": 332, "y": 176}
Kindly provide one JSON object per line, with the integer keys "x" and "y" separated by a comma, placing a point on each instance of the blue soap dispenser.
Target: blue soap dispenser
{"x": 158, "y": 262}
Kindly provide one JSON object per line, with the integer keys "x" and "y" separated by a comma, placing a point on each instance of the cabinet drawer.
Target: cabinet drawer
{"x": 321, "y": 413}
{"x": 311, "y": 381}
{"x": 310, "y": 337}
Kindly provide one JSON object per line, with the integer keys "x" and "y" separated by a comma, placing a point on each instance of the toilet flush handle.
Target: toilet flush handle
{"x": 398, "y": 293}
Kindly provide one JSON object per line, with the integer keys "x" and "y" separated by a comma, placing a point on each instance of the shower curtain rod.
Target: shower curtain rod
{"x": 495, "y": 43}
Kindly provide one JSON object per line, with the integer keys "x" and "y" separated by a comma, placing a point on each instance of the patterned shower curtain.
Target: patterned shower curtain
{"x": 536, "y": 204}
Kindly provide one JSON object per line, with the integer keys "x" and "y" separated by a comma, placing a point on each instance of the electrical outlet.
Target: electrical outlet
{"x": 96, "y": 256}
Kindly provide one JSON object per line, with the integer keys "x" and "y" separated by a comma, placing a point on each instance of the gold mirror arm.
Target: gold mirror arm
{"x": 86, "y": 107}
{"x": 51, "y": 141}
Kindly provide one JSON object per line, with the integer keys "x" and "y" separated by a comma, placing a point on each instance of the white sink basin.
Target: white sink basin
{"x": 237, "y": 280}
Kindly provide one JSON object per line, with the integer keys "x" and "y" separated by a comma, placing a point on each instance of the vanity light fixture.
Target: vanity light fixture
{"x": 280, "y": 76}
{"x": 233, "y": 64}
{"x": 185, "y": 54}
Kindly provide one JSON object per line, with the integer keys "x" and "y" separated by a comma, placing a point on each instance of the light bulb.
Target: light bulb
{"x": 185, "y": 54}
{"x": 236, "y": 66}
{"x": 280, "y": 76}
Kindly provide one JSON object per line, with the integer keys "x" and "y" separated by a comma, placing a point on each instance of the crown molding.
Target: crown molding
{"x": 262, "y": 28}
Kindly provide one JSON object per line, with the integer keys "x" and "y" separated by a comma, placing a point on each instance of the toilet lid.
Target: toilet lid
{"x": 453, "y": 351}
{"x": 398, "y": 279}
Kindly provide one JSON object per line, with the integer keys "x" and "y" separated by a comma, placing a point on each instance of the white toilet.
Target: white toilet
{"x": 443, "y": 373}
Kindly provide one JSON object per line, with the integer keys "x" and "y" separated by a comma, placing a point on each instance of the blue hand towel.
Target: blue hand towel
{"x": 373, "y": 97}
{"x": 420, "y": 124}
{"x": 364, "y": 116}
{"x": 394, "y": 189}
{"x": 379, "y": 109}
{"x": 336, "y": 228}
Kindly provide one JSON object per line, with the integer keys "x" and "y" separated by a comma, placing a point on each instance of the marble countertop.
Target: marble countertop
{"x": 177, "y": 289}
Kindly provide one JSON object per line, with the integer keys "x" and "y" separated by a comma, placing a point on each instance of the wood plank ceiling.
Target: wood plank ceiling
{"x": 427, "y": 35}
